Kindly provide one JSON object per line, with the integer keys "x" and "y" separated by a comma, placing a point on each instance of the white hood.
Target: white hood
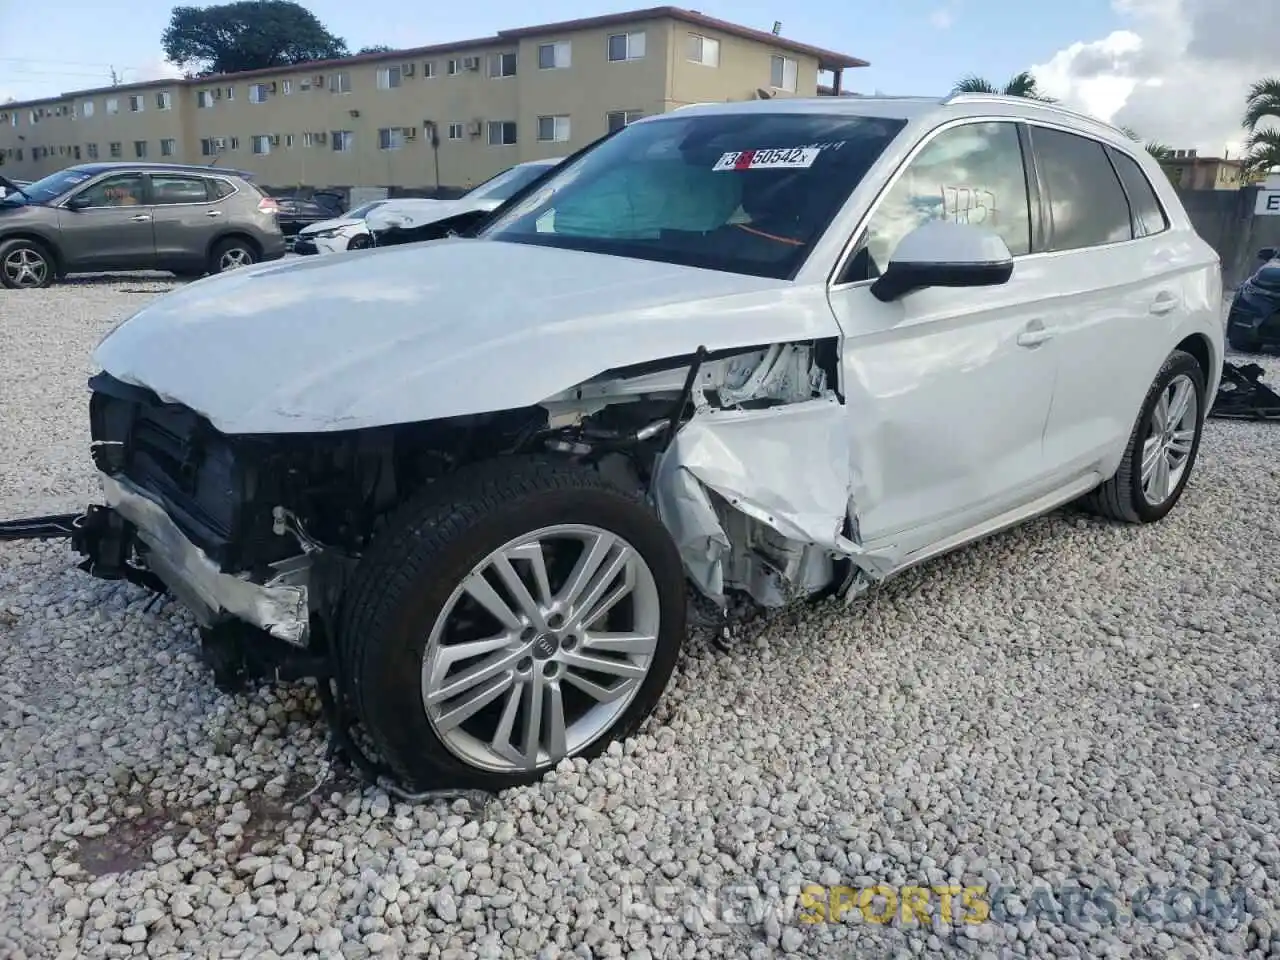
{"x": 336, "y": 223}
{"x": 418, "y": 213}
{"x": 424, "y": 331}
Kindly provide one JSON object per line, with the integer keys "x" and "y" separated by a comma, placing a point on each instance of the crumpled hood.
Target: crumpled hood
{"x": 419, "y": 213}
{"x": 336, "y": 223}
{"x": 424, "y": 331}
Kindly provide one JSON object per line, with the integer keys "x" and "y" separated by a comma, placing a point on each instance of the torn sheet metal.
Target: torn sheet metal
{"x": 788, "y": 468}
{"x": 1243, "y": 396}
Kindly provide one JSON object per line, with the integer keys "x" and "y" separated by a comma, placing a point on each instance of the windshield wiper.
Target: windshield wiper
{"x": 10, "y": 185}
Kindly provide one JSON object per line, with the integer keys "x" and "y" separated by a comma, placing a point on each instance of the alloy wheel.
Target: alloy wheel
{"x": 1170, "y": 439}
{"x": 26, "y": 267}
{"x": 541, "y": 648}
{"x": 233, "y": 258}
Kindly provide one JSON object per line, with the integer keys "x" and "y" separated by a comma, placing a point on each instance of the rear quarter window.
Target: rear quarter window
{"x": 1087, "y": 205}
{"x": 221, "y": 188}
{"x": 1148, "y": 216}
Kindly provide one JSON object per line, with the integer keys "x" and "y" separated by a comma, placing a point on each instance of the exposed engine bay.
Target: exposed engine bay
{"x": 717, "y": 440}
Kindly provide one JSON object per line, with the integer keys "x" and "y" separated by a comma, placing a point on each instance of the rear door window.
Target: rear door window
{"x": 169, "y": 188}
{"x": 1087, "y": 205}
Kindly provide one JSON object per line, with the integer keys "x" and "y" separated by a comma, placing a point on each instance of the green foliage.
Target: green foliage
{"x": 1022, "y": 85}
{"x": 247, "y": 35}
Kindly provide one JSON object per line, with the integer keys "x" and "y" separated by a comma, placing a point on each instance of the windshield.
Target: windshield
{"x": 740, "y": 192}
{"x": 507, "y": 182}
{"x": 49, "y": 188}
{"x": 362, "y": 211}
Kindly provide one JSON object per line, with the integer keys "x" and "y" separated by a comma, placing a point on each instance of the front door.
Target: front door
{"x": 113, "y": 230}
{"x": 948, "y": 389}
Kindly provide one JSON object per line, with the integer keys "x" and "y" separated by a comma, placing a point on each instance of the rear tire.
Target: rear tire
{"x": 1165, "y": 440}
{"x": 445, "y": 559}
{"x": 231, "y": 254}
{"x": 25, "y": 265}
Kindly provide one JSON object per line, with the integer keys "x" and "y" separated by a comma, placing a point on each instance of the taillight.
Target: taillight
{"x": 268, "y": 205}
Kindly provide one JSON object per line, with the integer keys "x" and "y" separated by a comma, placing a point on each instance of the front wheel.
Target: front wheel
{"x": 522, "y": 611}
{"x": 1162, "y": 449}
{"x": 25, "y": 265}
{"x": 360, "y": 241}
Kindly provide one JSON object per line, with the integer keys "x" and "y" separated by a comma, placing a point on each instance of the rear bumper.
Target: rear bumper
{"x": 280, "y": 606}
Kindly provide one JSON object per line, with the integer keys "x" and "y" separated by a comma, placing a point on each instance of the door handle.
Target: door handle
{"x": 1163, "y": 303}
{"x": 213, "y": 213}
{"x": 1034, "y": 334}
{"x": 140, "y": 218}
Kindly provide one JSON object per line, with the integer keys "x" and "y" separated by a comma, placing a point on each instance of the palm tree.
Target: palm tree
{"x": 1022, "y": 85}
{"x": 1262, "y": 148}
{"x": 1160, "y": 151}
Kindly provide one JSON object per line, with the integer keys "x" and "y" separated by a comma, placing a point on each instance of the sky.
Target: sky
{"x": 1174, "y": 70}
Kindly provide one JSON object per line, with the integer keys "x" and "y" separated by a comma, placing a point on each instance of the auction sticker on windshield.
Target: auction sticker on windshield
{"x": 794, "y": 158}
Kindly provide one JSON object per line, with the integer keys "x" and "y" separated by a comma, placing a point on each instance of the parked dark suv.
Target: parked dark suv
{"x": 134, "y": 216}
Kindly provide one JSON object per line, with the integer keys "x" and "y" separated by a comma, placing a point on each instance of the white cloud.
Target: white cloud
{"x": 1178, "y": 73}
{"x": 942, "y": 18}
{"x": 155, "y": 69}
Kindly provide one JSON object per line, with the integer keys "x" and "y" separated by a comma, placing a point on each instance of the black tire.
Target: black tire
{"x": 232, "y": 246}
{"x": 1121, "y": 498}
{"x": 360, "y": 241}
{"x": 26, "y": 265}
{"x": 403, "y": 582}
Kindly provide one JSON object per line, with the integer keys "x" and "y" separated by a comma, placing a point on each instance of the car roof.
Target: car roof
{"x": 108, "y": 165}
{"x": 925, "y": 110}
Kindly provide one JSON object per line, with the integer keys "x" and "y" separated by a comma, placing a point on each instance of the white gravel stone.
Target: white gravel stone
{"x": 1070, "y": 703}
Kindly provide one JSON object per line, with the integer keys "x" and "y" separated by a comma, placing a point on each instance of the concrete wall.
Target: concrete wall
{"x": 1225, "y": 219}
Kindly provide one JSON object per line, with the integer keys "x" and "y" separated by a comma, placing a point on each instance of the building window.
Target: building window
{"x": 113, "y": 106}
{"x": 206, "y": 147}
{"x": 140, "y": 149}
{"x": 455, "y": 131}
{"x": 626, "y": 46}
{"x": 114, "y": 151}
{"x": 286, "y": 87}
{"x": 502, "y": 133}
{"x": 87, "y": 110}
{"x": 390, "y": 138}
{"x": 339, "y": 83}
{"x": 308, "y": 139}
{"x": 452, "y": 68}
{"x": 553, "y": 129}
{"x": 164, "y": 101}
{"x": 234, "y": 144}
{"x": 618, "y": 119}
{"x": 554, "y": 56}
{"x": 137, "y": 104}
{"x": 429, "y": 70}
{"x": 91, "y": 151}
{"x": 704, "y": 50}
{"x": 261, "y": 144}
{"x": 343, "y": 141}
{"x": 204, "y": 99}
{"x": 167, "y": 147}
{"x": 502, "y": 64}
{"x": 388, "y": 78}
{"x": 288, "y": 141}
{"x": 782, "y": 73}
{"x": 231, "y": 93}
{"x": 258, "y": 93}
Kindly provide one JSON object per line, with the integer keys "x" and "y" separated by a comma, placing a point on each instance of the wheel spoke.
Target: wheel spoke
{"x": 1160, "y": 413}
{"x": 532, "y": 721}
{"x": 473, "y": 676}
{"x": 557, "y": 738}
{"x": 641, "y": 644}
{"x": 598, "y": 611}
{"x": 574, "y": 660}
{"x": 502, "y": 742}
{"x": 596, "y": 691}
{"x": 594, "y": 553}
{"x": 482, "y": 592}
{"x": 1182, "y": 441}
{"x": 582, "y": 595}
{"x": 1152, "y": 451}
{"x": 532, "y": 554}
{"x": 1182, "y": 394}
{"x": 479, "y": 697}
{"x": 519, "y": 592}
{"x": 447, "y": 655}
{"x": 1160, "y": 481}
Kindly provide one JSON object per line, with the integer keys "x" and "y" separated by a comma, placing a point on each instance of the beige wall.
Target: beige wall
{"x": 586, "y": 91}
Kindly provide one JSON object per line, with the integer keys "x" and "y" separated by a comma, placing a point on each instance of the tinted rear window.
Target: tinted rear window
{"x": 1148, "y": 215}
{"x": 1087, "y": 205}
{"x": 222, "y": 188}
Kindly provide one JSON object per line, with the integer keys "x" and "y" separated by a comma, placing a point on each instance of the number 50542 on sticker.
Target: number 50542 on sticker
{"x": 795, "y": 158}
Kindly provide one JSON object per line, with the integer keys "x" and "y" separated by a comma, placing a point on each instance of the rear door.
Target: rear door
{"x": 114, "y": 230}
{"x": 188, "y": 213}
{"x": 1113, "y": 262}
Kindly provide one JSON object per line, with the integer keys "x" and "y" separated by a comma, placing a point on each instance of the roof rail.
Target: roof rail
{"x": 1024, "y": 101}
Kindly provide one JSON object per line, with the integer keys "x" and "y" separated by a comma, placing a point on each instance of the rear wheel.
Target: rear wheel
{"x": 231, "y": 254}
{"x": 1162, "y": 448}
{"x": 520, "y": 612}
{"x": 25, "y": 265}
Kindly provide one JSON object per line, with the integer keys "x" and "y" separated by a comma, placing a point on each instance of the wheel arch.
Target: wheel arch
{"x": 1202, "y": 350}
{"x": 240, "y": 235}
{"x": 47, "y": 243}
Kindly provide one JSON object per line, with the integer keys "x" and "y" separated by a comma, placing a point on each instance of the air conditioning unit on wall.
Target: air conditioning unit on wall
{"x": 406, "y": 69}
{"x": 475, "y": 127}
{"x": 470, "y": 63}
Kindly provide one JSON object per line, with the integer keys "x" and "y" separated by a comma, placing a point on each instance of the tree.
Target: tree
{"x": 1022, "y": 85}
{"x": 376, "y": 48}
{"x": 247, "y": 35}
{"x": 1160, "y": 151}
{"x": 1262, "y": 148}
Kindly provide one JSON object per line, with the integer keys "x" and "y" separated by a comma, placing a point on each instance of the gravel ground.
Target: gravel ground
{"x": 1071, "y": 712}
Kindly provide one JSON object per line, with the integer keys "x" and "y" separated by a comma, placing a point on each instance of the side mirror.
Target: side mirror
{"x": 1267, "y": 253}
{"x": 944, "y": 254}
{"x": 78, "y": 202}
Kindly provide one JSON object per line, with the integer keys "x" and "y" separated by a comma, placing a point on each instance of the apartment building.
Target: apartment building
{"x": 447, "y": 115}
{"x": 1189, "y": 171}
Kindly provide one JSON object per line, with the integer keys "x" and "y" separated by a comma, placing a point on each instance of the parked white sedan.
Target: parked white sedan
{"x": 782, "y": 348}
{"x": 347, "y": 232}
